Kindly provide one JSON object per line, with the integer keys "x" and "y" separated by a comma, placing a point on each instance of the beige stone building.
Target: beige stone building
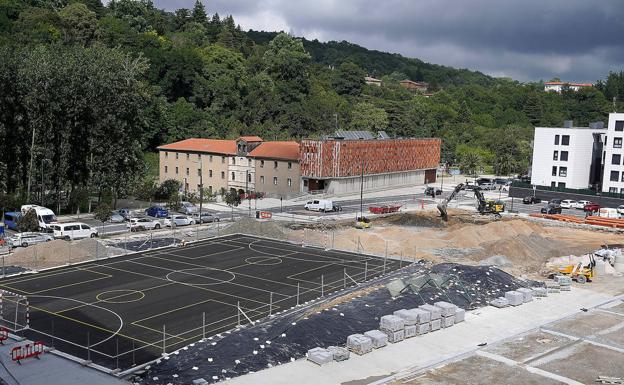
{"x": 193, "y": 161}
{"x": 277, "y": 171}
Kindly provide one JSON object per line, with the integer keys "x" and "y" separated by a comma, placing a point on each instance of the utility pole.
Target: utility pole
{"x": 247, "y": 191}
{"x": 336, "y": 120}
{"x": 201, "y": 189}
{"x": 32, "y": 155}
{"x": 362, "y": 189}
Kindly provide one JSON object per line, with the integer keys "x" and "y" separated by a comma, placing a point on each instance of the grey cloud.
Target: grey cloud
{"x": 579, "y": 40}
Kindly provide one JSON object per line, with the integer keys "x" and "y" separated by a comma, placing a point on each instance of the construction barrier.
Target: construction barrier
{"x": 4, "y": 335}
{"x": 266, "y": 214}
{"x": 19, "y": 353}
{"x": 590, "y": 220}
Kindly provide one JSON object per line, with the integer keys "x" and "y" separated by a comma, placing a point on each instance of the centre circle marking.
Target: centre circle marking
{"x": 218, "y": 276}
{"x": 264, "y": 261}
{"x": 135, "y": 295}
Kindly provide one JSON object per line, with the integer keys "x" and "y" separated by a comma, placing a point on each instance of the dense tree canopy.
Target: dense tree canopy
{"x": 98, "y": 85}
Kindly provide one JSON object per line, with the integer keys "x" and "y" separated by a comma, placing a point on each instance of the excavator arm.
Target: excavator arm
{"x": 442, "y": 205}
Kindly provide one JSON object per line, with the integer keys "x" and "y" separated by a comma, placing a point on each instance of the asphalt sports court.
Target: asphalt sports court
{"x": 125, "y": 311}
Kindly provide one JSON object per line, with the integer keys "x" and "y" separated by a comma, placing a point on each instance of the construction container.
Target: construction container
{"x": 391, "y": 323}
{"x": 423, "y": 316}
{"x": 527, "y": 293}
{"x": 395, "y": 337}
{"x": 320, "y": 356}
{"x": 514, "y": 298}
{"x": 409, "y": 316}
{"x": 434, "y": 311}
{"x": 410, "y": 331}
{"x": 339, "y": 353}
{"x": 448, "y": 309}
{"x": 359, "y": 344}
{"x": 447, "y": 321}
{"x": 435, "y": 324}
{"x": 460, "y": 315}
{"x": 379, "y": 338}
{"x": 499, "y": 302}
{"x": 423, "y": 328}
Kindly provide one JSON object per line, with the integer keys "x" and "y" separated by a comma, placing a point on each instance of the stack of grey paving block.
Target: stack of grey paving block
{"x": 540, "y": 292}
{"x": 499, "y": 302}
{"x": 379, "y": 338}
{"x": 447, "y": 311}
{"x": 409, "y": 319}
{"x": 435, "y": 315}
{"x": 527, "y": 293}
{"x": 394, "y": 327}
{"x": 553, "y": 287}
{"x": 514, "y": 298}
{"x": 359, "y": 344}
{"x": 423, "y": 321}
{"x": 339, "y": 353}
{"x": 320, "y": 356}
{"x": 460, "y": 315}
{"x": 564, "y": 281}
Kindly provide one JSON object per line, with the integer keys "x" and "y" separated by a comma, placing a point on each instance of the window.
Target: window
{"x": 199, "y": 187}
{"x": 289, "y": 165}
{"x": 623, "y": 177}
{"x": 210, "y": 158}
{"x": 261, "y": 163}
{"x": 234, "y": 161}
{"x": 617, "y": 142}
{"x": 563, "y": 171}
{"x": 564, "y": 156}
{"x": 199, "y": 157}
{"x": 554, "y": 171}
{"x": 249, "y": 162}
{"x": 616, "y": 159}
{"x": 565, "y": 140}
{"x": 615, "y": 176}
{"x": 612, "y": 189}
{"x": 176, "y": 170}
{"x": 275, "y": 164}
{"x": 556, "y": 139}
{"x": 210, "y": 173}
{"x": 233, "y": 176}
{"x": 210, "y": 189}
{"x": 222, "y": 174}
{"x": 262, "y": 179}
{"x": 85, "y": 227}
{"x": 166, "y": 169}
{"x": 622, "y": 191}
{"x": 248, "y": 177}
{"x": 553, "y": 184}
{"x": 187, "y": 171}
{"x": 556, "y": 155}
{"x": 223, "y": 159}
{"x": 562, "y": 184}
{"x": 188, "y": 156}
{"x": 177, "y": 155}
{"x": 199, "y": 172}
{"x": 289, "y": 182}
{"x": 275, "y": 180}
{"x": 619, "y": 125}
{"x": 166, "y": 154}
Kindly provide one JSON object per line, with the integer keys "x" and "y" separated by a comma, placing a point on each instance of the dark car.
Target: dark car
{"x": 432, "y": 191}
{"x": 157, "y": 212}
{"x": 531, "y": 200}
{"x": 336, "y": 207}
{"x": 591, "y": 207}
{"x": 551, "y": 208}
{"x": 555, "y": 201}
{"x": 470, "y": 186}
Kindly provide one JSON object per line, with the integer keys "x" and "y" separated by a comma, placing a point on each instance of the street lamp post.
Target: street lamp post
{"x": 201, "y": 188}
{"x": 247, "y": 191}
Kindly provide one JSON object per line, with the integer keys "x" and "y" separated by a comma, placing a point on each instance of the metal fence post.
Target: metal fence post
{"x": 322, "y": 290}
{"x": 164, "y": 340}
{"x": 384, "y": 265}
{"x": 344, "y": 279}
{"x": 69, "y": 247}
{"x": 365, "y": 270}
{"x": 97, "y": 244}
{"x": 386, "y": 249}
{"x": 298, "y": 283}
{"x": 271, "y": 304}
{"x": 401, "y": 261}
{"x": 117, "y": 351}
{"x": 238, "y": 312}
{"x": 126, "y": 244}
{"x": 88, "y": 346}
{"x": 203, "y": 325}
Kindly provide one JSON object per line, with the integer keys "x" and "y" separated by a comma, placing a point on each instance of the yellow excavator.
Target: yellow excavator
{"x": 484, "y": 207}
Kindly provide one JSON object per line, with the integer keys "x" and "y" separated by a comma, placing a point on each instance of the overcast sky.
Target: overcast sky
{"x": 576, "y": 40}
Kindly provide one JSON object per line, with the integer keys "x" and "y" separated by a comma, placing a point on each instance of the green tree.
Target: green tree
{"x": 103, "y": 213}
{"x": 232, "y": 199}
{"x": 365, "y": 116}
{"x": 167, "y": 189}
{"x": 28, "y": 222}
{"x": 79, "y": 24}
{"x": 349, "y": 79}
{"x": 198, "y": 14}
{"x": 286, "y": 60}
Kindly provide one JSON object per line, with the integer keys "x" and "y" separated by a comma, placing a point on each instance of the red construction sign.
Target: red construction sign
{"x": 265, "y": 214}
{"x": 27, "y": 351}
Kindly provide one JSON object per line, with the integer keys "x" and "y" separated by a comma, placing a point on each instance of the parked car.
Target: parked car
{"x": 568, "y": 204}
{"x": 138, "y": 224}
{"x": 73, "y": 230}
{"x": 27, "y": 239}
{"x": 432, "y": 191}
{"x": 157, "y": 212}
{"x": 116, "y": 217}
{"x": 205, "y": 218}
{"x": 11, "y": 218}
{"x": 581, "y": 204}
{"x": 471, "y": 186}
{"x": 321, "y": 205}
{"x": 126, "y": 213}
{"x": 591, "y": 207}
{"x": 188, "y": 208}
{"x": 555, "y": 201}
{"x": 620, "y": 210}
{"x": 487, "y": 186}
{"x": 551, "y": 208}
{"x": 336, "y": 207}
{"x": 178, "y": 220}
{"x": 531, "y": 200}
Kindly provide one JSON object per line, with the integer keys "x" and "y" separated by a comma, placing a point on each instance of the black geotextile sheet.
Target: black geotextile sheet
{"x": 288, "y": 337}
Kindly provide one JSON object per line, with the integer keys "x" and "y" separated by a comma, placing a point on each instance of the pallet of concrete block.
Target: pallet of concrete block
{"x": 359, "y": 344}
{"x": 394, "y": 336}
{"x": 460, "y": 315}
{"x": 339, "y": 353}
{"x": 320, "y": 356}
{"x": 391, "y": 323}
{"x": 540, "y": 291}
{"x": 499, "y": 302}
{"x": 553, "y": 287}
{"x": 410, "y": 331}
{"x": 409, "y": 317}
{"x": 514, "y": 298}
{"x": 564, "y": 281}
{"x": 447, "y": 310}
{"x": 379, "y": 338}
{"x": 435, "y": 315}
{"x": 526, "y": 293}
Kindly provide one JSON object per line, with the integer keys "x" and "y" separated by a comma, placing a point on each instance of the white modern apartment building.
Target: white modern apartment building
{"x": 613, "y": 177}
{"x": 568, "y": 156}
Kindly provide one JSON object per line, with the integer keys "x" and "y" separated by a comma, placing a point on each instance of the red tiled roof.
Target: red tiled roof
{"x": 214, "y": 146}
{"x": 250, "y": 138}
{"x": 277, "y": 150}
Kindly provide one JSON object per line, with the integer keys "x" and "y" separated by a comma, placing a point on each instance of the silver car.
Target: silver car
{"x": 205, "y": 218}
{"x": 27, "y": 239}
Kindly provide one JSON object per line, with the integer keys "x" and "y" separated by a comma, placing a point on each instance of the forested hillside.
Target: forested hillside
{"x": 91, "y": 88}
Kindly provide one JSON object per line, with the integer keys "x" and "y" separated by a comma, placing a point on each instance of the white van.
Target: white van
{"x": 321, "y": 205}
{"x": 73, "y": 230}
{"x": 45, "y": 216}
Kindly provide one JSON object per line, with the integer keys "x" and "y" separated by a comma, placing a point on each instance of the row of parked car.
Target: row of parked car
{"x": 555, "y": 206}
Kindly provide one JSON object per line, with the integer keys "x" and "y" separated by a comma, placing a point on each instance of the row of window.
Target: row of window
{"x": 615, "y": 176}
{"x": 563, "y": 171}
{"x": 565, "y": 140}
{"x": 614, "y": 190}
{"x": 563, "y": 157}
{"x": 188, "y": 172}
{"x": 288, "y": 182}
{"x": 188, "y": 156}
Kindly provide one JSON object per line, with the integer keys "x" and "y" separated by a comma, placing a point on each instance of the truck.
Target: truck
{"x": 322, "y": 205}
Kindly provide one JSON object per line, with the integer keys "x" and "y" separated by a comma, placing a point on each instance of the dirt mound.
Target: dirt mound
{"x": 49, "y": 254}
{"x": 253, "y": 227}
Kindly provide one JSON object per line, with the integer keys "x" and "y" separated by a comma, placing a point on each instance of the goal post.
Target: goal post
{"x": 14, "y": 311}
